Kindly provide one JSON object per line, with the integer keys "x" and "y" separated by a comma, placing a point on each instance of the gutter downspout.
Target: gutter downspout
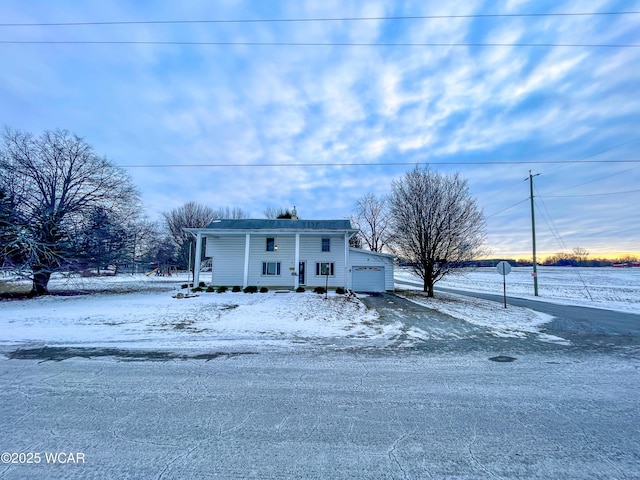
{"x": 296, "y": 263}
{"x": 247, "y": 243}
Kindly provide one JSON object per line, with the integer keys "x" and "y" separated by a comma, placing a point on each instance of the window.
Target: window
{"x": 324, "y": 268}
{"x": 271, "y": 244}
{"x": 270, "y": 268}
{"x": 326, "y": 244}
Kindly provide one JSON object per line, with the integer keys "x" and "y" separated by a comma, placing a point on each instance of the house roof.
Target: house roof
{"x": 369, "y": 252}
{"x": 227, "y": 227}
{"x": 268, "y": 224}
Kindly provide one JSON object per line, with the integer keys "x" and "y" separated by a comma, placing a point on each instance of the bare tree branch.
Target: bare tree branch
{"x": 55, "y": 180}
{"x": 435, "y": 224}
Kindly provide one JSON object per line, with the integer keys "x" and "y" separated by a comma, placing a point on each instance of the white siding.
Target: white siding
{"x": 228, "y": 259}
{"x": 364, "y": 258}
{"x": 285, "y": 255}
{"x": 311, "y": 253}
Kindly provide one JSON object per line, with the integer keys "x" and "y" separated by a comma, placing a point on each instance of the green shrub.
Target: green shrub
{"x": 222, "y": 289}
{"x": 197, "y": 289}
{"x": 300, "y": 289}
{"x": 236, "y": 289}
{"x": 210, "y": 289}
{"x": 264, "y": 289}
{"x": 319, "y": 290}
{"x": 251, "y": 289}
{"x": 340, "y": 291}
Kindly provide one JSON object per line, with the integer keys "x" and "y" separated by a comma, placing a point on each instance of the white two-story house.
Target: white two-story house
{"x": 288, "y": 253}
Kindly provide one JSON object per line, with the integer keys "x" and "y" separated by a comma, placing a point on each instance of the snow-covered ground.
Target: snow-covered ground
{"x": 141, "y": 312}
{"x": 608, "y": 288}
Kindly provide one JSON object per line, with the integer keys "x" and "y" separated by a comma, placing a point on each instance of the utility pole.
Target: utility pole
{"x": 533, "y": 235}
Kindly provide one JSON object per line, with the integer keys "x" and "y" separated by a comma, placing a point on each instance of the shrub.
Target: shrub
{"x": 319, "y": 290}
{"x": 202, "y": 284}
{"x": 184, "y": 285}
{"x": 340, "y": 291}
{"x": 251, "y": 289}
{"x": 210, "y": 289}
{"x": 300, "y": 289}
{"x": 222, "y": 289}
{"x": 264, "y": 289}
{"x": 197, "y": 289}
{"x": 236, "y": 289}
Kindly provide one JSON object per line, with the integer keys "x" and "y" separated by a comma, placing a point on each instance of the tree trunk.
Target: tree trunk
{"x": 428, "y": 287}
{"x": 40, "y": 282}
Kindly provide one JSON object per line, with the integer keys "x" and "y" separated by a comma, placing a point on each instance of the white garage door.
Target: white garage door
{"x": 368, "y": 279}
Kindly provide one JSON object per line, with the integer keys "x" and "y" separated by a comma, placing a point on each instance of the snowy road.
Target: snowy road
{"x": 361, "y": 414}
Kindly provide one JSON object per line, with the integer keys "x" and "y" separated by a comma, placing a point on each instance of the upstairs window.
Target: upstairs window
{"x": 326, "y": 244}
{"x": 271, "y": 244}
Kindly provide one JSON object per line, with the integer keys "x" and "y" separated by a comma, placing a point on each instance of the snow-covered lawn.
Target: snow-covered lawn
{"x": 150, "y": 317}
{"x": 140, "y": 311}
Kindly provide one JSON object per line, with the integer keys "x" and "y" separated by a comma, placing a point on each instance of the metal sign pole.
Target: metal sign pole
{"x": 504, "y": 289}
{"x": 504, "y": 268}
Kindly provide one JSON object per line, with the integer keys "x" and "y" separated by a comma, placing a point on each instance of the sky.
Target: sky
{"x": 317, "y": 113}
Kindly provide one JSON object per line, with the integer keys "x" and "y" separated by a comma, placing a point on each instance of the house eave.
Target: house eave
{"x": 283, "y": 231}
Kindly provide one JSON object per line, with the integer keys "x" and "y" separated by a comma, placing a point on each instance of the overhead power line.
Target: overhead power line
{"x": 321, "y": 19}
{"x": 314, "y": 44}
{"x": 593, "y": 194}
{"x": 362, "y": 164}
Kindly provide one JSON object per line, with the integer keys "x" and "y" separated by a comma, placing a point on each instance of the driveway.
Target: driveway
{"x": 584, "y": 327}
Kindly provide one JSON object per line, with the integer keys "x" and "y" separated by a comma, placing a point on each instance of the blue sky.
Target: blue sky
{"x": 457, "y": 107}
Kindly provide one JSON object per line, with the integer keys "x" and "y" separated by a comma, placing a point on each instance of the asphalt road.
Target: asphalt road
{"x": 376, "y": 414}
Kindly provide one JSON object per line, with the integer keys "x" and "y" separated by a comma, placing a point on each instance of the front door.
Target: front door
{"x": 301, "y": 273}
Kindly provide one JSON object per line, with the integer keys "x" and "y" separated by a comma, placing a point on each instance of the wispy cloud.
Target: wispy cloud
{"x": 240, "y": 104}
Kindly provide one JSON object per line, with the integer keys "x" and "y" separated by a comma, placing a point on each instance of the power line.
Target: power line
{"x": 312, "y": 44}
{"x": 339, "y": 19}
{"x": 507, "y": 208}
{"x": 593, "y": 194}
{"x": 591, "y": 181}
{"x": 363, "y": 164}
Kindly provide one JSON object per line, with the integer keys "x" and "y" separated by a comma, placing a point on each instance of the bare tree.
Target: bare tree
{"x": 54, "y": 181}
{"x": 436, "y": 223}
{"x": 190, "y": 215}
{"x": 371, "y": 218}
{"x": 233, "y": 213}
{"x": 194, "y": 215}
{"x": 581, "y": 255}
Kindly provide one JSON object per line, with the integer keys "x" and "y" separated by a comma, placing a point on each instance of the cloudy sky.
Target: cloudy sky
{"x": 317, "y": 113}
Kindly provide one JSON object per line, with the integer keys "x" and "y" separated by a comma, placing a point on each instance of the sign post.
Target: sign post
{"x": 504, "y": 268}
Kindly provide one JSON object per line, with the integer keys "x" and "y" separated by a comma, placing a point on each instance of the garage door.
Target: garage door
{"x": 368, "y": 279}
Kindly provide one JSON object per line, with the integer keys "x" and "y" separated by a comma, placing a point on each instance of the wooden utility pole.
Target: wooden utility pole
{"x": 533, "y": 235}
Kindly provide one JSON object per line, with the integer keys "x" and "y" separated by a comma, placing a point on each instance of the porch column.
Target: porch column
{"x": 346, "y": 260}
{"x": 296, "y": 263}
{"x": 247, "y": 242}
{"x": 196, "y": 260}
